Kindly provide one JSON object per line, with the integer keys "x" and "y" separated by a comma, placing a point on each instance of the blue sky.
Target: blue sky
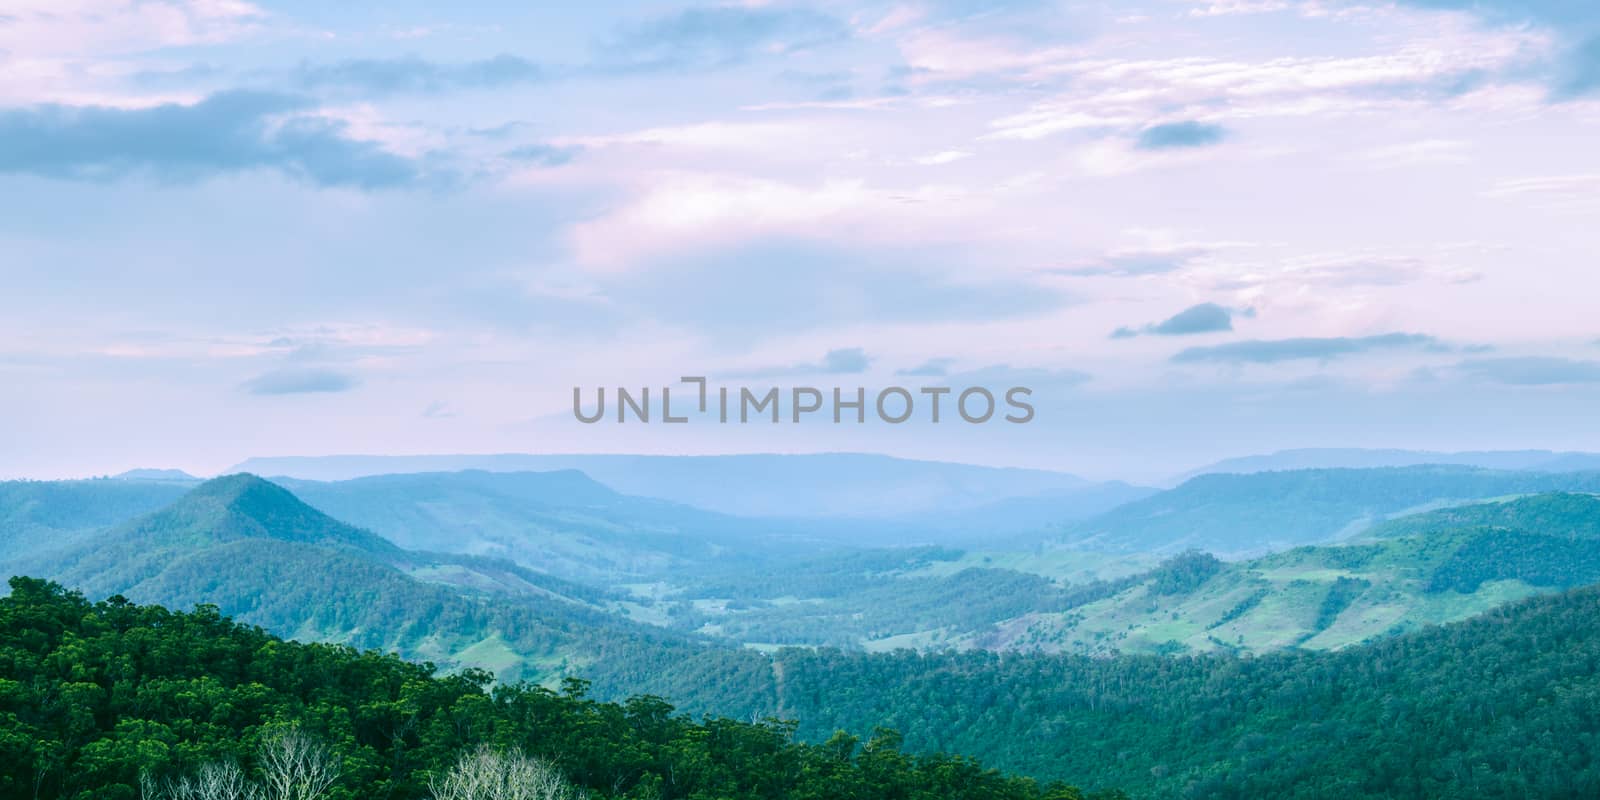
{"x": 1195, "y": 227}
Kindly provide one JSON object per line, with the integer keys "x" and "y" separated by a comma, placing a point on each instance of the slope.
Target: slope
{"x": 1254, "y": 513}
{"x": 558, "y": 522}
{"x": 258, "y": 553}
{"x": 1429, "y": 568}
{"x": 41, "y": 515}
{"x": 1498, "y": 706}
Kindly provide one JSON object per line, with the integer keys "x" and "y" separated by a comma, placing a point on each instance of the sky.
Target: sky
{"x": 1193, "y": 228}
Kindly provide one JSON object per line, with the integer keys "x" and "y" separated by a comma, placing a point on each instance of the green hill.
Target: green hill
{"x": 261, "y": 555}
{"x": 1566, "y": 514}
{"x": 1428, "y": 568}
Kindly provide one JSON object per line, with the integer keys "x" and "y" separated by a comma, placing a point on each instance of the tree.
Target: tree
{"x": 221, "y": 780}
{"x": 294, "y": 766}
{"x": 489, "y": 774}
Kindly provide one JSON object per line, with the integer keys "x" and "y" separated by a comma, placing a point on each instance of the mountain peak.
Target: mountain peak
{"x": 241, "y": 485}
{"x": 146, "y": 474}
{"x": 246, "y": 506}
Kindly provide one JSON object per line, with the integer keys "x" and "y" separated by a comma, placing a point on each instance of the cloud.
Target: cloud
{"x": 1575, "y": 22}
{"x": 932, "y": 368}
{"x": 1531, "y": 371}
{"x": 844, "y": 361}
{"x": 1298, "y": 272}
{"x": 300, "y": 381}
{"x": 716, "y": 36}
{"x": 31, "y": 29}
{"x": 438, "y": 409}
{"x": 1173, "y": 135}
{"x": 694, "y": 38}
{"x": 544, "y": 155}
{"x": 779, "y": 286}
{"x": 1203, "y": 318}
{"x": 1005, "y": 375}
{"x": 1103, "y": 94}
{"x": 224, "y": 133}
{"x": 413, "y": 74}
{"x": 847, "y": 361}
{"x": 943, "y": 157}
{"x": 1133, "y": 263}
{"x": 1270, "y": 351}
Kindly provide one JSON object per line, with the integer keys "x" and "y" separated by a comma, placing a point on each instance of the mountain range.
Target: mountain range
{"x": 1361, "y": 458}
{"x": 1106, "y": 631}
{"x": 757, "y": 485}
{"x": 1253, "y": 513}
{"x": 259, "y": 554}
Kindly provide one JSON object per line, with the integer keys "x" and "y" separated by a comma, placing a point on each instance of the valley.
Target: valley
{"x": 1112, "y": 626}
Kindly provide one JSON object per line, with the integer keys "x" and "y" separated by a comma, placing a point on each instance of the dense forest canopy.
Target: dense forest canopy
{"x": 98, "y": 699}
{"x": 1499, "y": 706}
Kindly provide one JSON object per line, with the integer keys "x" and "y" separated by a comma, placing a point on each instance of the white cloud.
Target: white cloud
{"x": 1561, "y": 192}
{"x": 943, "y": 157}
{"x": 1122, "y": 92}
{"x": 99, "y": 28}
{"x": 680, "y": 209}
{"x": 1225, "y": 8}
{"x": 1427, "y": 151}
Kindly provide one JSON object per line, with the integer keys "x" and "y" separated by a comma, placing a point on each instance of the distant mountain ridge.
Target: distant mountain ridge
{"x": 1360, "y": 458}
{"x": 758, "y": 485}
{"x": 155, "y": 475}
{"x": 561, "y": 522}
{"x": 1248, "y": 514}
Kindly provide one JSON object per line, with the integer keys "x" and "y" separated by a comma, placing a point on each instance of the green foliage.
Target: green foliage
{"x": 92, "y": 696}
{"x": 1183, "y": 574}
{"x": 835, "y": 575}
{"x": 1417, "y": 570}
{"x": 1575, "y": 516}
{"x": 1500, "y": 706}
{"x": 1341, "y": 593}
{"x": 1497, "y": 554}
{"x": 970, "y": 600}
{"x": 1243, "y": 607}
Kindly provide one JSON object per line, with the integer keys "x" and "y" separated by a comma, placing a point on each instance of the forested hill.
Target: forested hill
{"x": 59, "y": 512}
{"x": 259, "y": 554}
{"x": 113, "y": 701}
{"x": 1499, "y": 706}
{"x": 1564, "y": 514}
{"x": 1502, "y": 706}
